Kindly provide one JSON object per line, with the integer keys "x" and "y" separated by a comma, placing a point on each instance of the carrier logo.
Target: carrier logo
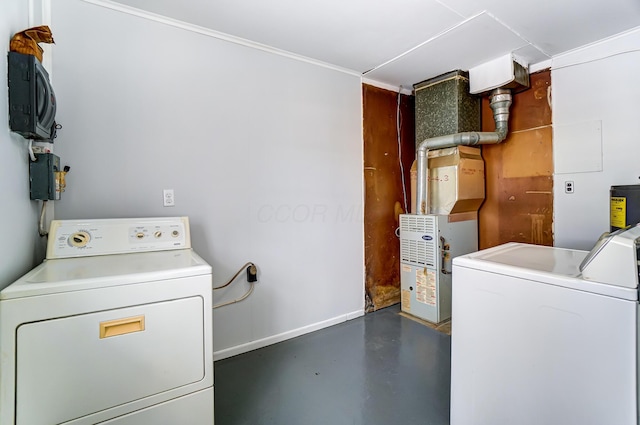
{"x": 427, "y": 238}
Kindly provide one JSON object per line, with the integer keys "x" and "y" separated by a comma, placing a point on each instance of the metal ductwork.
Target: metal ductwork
{"x": 500, "y": 102}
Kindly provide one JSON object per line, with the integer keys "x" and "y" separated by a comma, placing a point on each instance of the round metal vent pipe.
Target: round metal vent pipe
{"x": 500, "y": 104}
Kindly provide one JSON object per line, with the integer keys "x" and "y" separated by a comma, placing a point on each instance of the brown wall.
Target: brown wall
{"x": 519, "y": 171}
{"x": 383, "y": 190}
{"x": 519, "y": 180}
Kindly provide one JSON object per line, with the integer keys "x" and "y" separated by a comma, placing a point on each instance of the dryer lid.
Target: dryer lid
{"x": 75, "y": 274}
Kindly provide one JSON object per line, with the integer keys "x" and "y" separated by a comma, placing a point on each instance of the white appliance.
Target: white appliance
{"x": 114, "y": 327}
{"x": 545, "y": 335}
{"x": 427, "y": 245}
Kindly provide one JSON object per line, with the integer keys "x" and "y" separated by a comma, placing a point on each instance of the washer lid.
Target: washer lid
{"x": 555, "y": 266}
{"x": 76, "y": 274}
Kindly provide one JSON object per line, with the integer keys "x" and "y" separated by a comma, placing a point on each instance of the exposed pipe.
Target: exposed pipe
{"x": 500, "y": 104}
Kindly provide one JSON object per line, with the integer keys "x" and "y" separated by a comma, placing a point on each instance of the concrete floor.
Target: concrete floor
{"x": 382, "y": 368}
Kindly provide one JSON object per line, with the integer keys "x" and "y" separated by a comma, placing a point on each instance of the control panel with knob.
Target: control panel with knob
{"x": 78, "y": 238}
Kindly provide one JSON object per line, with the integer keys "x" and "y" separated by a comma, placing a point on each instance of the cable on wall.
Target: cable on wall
{"x": 237, "y": 300}
{"x": 30, "y": 148}
{"x": 248, "y": 264}
{"x": 398, "y": 125}
{"x": 41, "y": 230}
{"x": 252, "y": 277}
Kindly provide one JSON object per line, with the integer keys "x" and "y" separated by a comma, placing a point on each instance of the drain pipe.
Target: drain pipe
{"x": 500, "y": 103}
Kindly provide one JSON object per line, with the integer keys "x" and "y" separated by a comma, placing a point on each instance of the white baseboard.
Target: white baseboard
{"x": 253, "y": 345}
{"x": 355, "y": 314}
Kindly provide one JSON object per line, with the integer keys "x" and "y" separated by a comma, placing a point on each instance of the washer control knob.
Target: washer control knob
{"x": 175, "y": 233}
{"x": 158, "y": 234}
{"x": 79, "y": 239}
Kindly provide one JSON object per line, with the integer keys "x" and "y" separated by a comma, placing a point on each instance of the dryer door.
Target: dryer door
{"x": 75, "y": 366}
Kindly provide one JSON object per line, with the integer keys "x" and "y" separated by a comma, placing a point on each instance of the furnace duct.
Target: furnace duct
{"x": 500, "y": 102}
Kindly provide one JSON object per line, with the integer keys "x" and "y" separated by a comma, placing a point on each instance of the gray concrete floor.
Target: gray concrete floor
{"x": 378, "y": 369}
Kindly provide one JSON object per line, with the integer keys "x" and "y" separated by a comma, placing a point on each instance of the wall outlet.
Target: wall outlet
{"x": 569, "y": 187}
{"x": 168, "y": 198}
{"x": 252, "y": 273}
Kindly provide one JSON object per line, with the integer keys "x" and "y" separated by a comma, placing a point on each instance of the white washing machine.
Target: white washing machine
{"x": 544, "y": 335}
{"x": 114, "y": 327}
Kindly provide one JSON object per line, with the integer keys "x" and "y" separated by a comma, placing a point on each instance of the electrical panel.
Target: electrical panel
{"x": 45, "y": 177}
{"x": 32, "y": 102}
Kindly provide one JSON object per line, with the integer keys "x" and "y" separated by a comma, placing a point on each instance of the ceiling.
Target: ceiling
{"x": 403, "y": 42}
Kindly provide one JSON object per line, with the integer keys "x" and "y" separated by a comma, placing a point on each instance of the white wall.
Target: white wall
{"x": 264, "y": 153}
{"x": 21, "y": 248}
{"x": 596, "y": 120}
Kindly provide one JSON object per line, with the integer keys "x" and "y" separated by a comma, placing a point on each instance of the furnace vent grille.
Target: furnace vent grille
{"x": 418, "y": 242}
{"x": 417, "y": 223}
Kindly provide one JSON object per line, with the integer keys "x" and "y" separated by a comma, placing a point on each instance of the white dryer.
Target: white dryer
{"x": 114, "y": 327}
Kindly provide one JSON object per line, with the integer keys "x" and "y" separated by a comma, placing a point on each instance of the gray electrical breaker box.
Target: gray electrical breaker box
{"x": 44, "y": 177}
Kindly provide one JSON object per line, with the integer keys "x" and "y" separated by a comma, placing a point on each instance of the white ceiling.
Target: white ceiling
{"x": 403, "y": 42}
